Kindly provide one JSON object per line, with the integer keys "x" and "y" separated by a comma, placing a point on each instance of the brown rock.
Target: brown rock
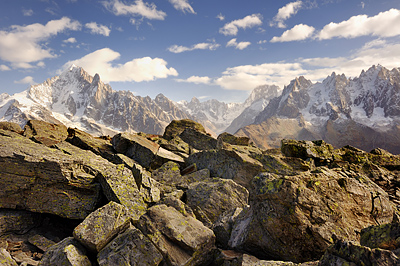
{"x": 176, "y": 127}
{"x": 10, "y": 126}
{"x": 44, "y": 132}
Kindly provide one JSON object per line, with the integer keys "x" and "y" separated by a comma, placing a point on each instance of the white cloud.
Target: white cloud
{"x": 381, "y": 25}
{"x": 27, "y": 12}
{"x": 21, "y": 45}
{"x": 220, "y": 17}
{"x": 232, "y": 27}
{"x": 196, "y": 80}
{"x": 70, "y": 40}
{"x": 26, "y": 80}
{"x": 239, "y": 46}
{"x": 285, "y": 13}
{"x": 139, "y": 8}
{"x": 297, "y": 33}
{"x": 98, "y": 29}
{"x": 182, "y": 5}
{"x": 4, "y": 68}
{"x": 200, "y": 46}
{"x": 137, "y": 70}
{"x": 262, "y": 42}
{"x": 41, "y": 64}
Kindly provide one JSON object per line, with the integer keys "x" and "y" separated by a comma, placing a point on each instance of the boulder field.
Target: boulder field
{"x": 186, "y": 198}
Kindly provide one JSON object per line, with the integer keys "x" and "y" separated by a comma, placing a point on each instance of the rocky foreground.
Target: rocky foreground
{"x": 185, "y": 198}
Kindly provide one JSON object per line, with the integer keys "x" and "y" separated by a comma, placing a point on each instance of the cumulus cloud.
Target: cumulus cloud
{"x": 239, "y": 46}
{"x": 220, "y": 17}
{"x": 70, "y": 40}
{"x": 200, "y": 46}
{"x": 232, "y": 27}
{"x": 297, "y": 33}
{"x": 4, "y": 68}
{"x": 26, "y": 80}
{"x": 22, "y": 45}
{"x": 139, "y": 8}
{"x": 136, "y": 70}
{"x": 380, "y": 25}
{"x": 98, "y": 29}
{"x": 196, "y": 80}
{"x": 285, "y": 13}
{"x": 182, "y": 5}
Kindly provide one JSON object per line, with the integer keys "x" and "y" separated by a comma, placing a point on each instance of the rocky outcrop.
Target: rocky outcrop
{"x": 10, "y": 126}
{"x": 127, "y": 199}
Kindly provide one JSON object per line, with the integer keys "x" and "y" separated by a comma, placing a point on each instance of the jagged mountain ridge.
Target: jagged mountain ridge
{"x": 363, "y": 112}
{"x": 77, "y": 99}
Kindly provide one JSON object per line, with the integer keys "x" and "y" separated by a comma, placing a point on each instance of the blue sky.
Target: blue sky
{"x": 219, "y": 49}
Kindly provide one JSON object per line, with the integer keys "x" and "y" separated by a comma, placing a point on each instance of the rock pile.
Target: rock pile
{"x": 185, "y": 198}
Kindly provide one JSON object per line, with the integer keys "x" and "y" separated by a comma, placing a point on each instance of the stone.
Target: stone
{"x": 198, "y": 140}
{"x": 385, "y": 236}
{"x": 177, "y": 204}
{"x": 102, "y": 225}
{"x": 227, "y": 164}
{"x": 44, "y": 132}
{"x": 40, "y": 179}
{"x": 349, "y": 253}
{"x": 10, "y": 126}
{"x": 117, "y": 181}
{"x": 234, "y": 140}
{"x": 6, "y": 259}
{"x": 181, "y": 239}
{"x": 223, "y": 227}
{"x": 148, "y": 187}
{"x": 215, "y": 196}
{"x": 175, "y": 145}
{"x": 130, "y": 247}
{"x": 305, "y": 213}
{"x": 176, "y": 127}
{"x": 168, "y": 174}
{"x": 318, "y": 150}
{"x": 66, "y": 252}
{"x": 41, "y": 242}
{"x": 18, "y": 221}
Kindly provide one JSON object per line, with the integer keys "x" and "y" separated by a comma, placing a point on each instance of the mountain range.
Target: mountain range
{"x": 363, "y": 111}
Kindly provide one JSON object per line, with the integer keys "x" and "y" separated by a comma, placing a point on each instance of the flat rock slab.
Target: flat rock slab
{"x": 130, "y": 248}
{"x": 6, "y": 259}
{"x": 102, "y": 225}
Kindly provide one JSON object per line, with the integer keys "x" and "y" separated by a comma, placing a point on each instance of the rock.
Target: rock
{"x": 386, "y": 236}
{"x": 215, "y": 196}
{"x": 10, "y": 126}
{"x": 37, "y": 178}
{"x": 223, "y": 226}
{"x": 305, "y": 213}
{"x": 130, "y": 248}
{"x": 348, "y": 253}
{"x": 117, "y": 181}
{"x": 66, "y": 252}
{"x": 175, "y": 145}
{"x": 168, "y": 174}
{"x": 319, "y": 150}
{"x": 234, "y": 140}
{"x": 147, "y": 153}
{"x": 181, "y": 239}
{"x": 44, "y": 132}
{"x": 197, "y": 176}
{"x": 178, "y": 205}
{"x": 102, "y": 225}
{"x": 198, "y": 139}
{"x": 18, "y": 221}
{"x": 5, "y": 258}
{"x": 41, "y": 242}
{"x": 176, "y": 127}
{"x": 227, "y": 164}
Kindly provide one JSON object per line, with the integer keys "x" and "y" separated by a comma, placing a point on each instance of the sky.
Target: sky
{"x": 209, "y": 49}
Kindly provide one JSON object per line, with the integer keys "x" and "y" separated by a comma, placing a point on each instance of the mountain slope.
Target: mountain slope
{"x": 363, "y": 112}
{"x": 79, "y": 100}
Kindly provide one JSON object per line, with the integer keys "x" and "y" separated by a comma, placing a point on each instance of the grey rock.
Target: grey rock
{"x": 6, "y": 259}
{"x": 18, "y": 221}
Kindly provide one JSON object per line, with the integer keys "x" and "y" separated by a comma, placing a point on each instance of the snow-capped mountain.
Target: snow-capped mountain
{"x": 363, "y": 112}
{"x": 213, "y": 114}
{"x": 77, "y": 99}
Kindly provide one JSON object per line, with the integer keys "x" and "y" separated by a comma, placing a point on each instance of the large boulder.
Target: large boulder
{"x": 67, "y": 252}
{"x": 11, "y": 126}
{"x": 130, "y": 248}
{"x": 176, "y": 127}
{"x": 37, "y": 178}
{"x": 349, "y": 253}
{"x": 102, "y": 225}
{"x": 215, "y": 196}
{"x": 318, "y": 150}
{"x": 297, "y": 217}
{"x": 385, "y": 236}
{"x": 234, "y": 140}
{"x": 198, "y": 140}
{"x": 228, "y": 164}
{"x": 44, "y": 132}
{"x": 181, "y": 239}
